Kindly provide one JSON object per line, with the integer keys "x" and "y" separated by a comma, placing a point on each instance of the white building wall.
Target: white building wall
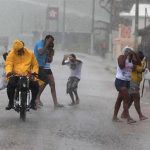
{"x": 141, "y": 23}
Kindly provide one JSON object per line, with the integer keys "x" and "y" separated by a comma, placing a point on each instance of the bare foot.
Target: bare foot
{"x": 143, "y": 118}
{"x": 71, "y": 104}
{"x": 114, "y": 119}
{"x": 58, "y": 106}
{"x": 130, "y": 121}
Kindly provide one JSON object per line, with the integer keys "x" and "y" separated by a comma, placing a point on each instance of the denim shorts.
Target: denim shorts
{"x": 121, "y": 83}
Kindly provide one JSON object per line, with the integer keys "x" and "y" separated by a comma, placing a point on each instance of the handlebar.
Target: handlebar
{"x": 30, "y": 75}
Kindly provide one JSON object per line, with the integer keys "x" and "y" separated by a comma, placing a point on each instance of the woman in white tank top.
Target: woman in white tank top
{"x": 122, "y": 83}
{"x": 125, "y": 73}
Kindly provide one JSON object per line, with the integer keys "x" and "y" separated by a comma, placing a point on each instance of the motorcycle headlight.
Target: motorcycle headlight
{"x": 24, "y": 85}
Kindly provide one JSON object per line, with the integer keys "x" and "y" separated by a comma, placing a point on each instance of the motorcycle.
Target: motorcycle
{"x": 22, "y": 97}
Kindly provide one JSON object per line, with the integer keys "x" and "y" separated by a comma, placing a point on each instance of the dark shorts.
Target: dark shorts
{"x": 121, "y": 83}
{"x": 72, "y": 84}
{"x": 43, "y": 74}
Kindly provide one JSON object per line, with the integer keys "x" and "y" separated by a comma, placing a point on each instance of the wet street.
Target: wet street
{"x": 87, "y": 126}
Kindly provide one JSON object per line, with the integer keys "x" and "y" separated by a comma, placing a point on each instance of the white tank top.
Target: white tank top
{"x": 125, "y": 73}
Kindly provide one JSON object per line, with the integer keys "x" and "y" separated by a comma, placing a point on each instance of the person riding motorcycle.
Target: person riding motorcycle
{"x": 21, "y": 62}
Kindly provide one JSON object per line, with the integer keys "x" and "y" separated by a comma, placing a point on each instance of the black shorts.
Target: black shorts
{"x": 43, "y": 74}
{"x": 121, "y": 83}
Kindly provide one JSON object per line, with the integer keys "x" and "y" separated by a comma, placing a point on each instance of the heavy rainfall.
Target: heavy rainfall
{"x": 74, "y": 74}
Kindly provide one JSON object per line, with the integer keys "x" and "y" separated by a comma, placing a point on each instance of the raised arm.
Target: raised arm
{"x": 79, "y": 61}
{"x": 50, "y": 54}
{"x": 42, "y": 51}
{"x": 65, "y": 60}
{"x": 121, "y": 61}
{"x": 48, "y": 43}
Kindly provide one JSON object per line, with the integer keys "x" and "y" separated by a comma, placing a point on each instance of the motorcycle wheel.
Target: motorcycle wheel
{"x": 23, "y": 106}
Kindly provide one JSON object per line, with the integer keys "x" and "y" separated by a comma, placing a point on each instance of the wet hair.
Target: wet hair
{"x": 137, "y": 60}
{"x": 48, "y": 36}
{"x": 126, "y": 49}
{"x": 73, "y": 55}
{"x": 140, "y": 54}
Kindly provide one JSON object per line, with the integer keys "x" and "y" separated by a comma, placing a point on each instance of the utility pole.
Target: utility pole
{"x": 145, "y": 24}
{"x": 110, "y": 26}
{"x": 136, "y": 25}
{"x": 22, "y": 21}
{"x": 92, "y": 27}
{"x": 110, "y": 11}
{"x": 46, "y": 20}
{"x": 64, "y": 25}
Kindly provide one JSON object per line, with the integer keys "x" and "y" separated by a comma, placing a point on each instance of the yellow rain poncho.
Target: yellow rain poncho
{"x": 21, "y": 65}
